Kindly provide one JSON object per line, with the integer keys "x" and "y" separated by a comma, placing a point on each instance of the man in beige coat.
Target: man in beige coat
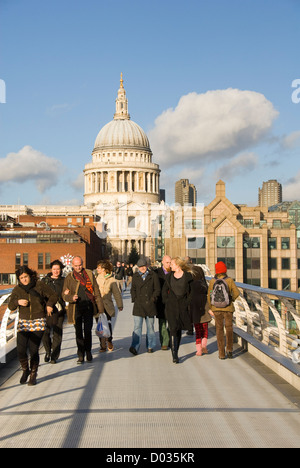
{"x": 224, "y": 313}
{"x": 82, "y": 293}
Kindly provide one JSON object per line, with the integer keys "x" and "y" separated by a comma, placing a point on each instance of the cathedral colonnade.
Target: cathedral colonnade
{"x": 121, "y": 181}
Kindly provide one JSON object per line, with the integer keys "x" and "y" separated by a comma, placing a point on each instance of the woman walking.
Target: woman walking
{"x": 199, "y": 310}
{"x": 108, "y": 289}
{"x": 177, "y": 297}
{"x": 55, "y": 322}
{"x": 35, "y": 300}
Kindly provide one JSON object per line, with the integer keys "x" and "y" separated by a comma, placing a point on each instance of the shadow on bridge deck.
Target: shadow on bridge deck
{"x": 146, "y": 401}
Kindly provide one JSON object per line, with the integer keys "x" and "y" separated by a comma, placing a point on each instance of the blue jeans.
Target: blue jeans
{"x": 137, "y": 333}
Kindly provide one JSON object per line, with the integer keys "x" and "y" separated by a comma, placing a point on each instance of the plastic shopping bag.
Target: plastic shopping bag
{"x": 102, "y": 329}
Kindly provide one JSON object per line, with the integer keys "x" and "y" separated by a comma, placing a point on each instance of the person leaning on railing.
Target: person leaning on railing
{"x": 35, "y": 301}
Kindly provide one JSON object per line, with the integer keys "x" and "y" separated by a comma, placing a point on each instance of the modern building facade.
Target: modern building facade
{"x": 185, "y": 193}
{"x": 270, "y": 194}
{"x": 260, "y": 246}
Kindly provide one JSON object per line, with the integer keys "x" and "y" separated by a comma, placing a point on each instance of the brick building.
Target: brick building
{"x": 38, "y": 240}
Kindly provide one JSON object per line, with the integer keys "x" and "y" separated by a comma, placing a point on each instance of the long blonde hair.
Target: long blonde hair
{"x": 183, "y": 264}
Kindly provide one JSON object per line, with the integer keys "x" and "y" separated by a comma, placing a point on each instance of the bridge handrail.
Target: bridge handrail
{"x": 255, "y": 322}
{"x": 9, "y": 318}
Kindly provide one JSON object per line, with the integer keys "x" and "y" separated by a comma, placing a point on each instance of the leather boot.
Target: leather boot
{"x": 33, "y": 373}
{"x": 26, "y": 371}
{"x": 174, "y": 349}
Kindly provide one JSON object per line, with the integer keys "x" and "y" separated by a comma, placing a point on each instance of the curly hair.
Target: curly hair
{"x": 25, "y": 269}
{"x": 106, "y": 265}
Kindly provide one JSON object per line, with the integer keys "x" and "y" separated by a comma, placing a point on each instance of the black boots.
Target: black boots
{"x": 175, "y": 343}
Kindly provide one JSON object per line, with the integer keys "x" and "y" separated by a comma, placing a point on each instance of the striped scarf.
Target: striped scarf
{"x": 85, "y": 281}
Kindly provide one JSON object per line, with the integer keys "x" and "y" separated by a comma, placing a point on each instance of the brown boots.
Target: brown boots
{"x": 32, "y": 373}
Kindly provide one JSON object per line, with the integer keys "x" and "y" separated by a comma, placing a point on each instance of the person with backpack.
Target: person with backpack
{"x": 222, "y": 292}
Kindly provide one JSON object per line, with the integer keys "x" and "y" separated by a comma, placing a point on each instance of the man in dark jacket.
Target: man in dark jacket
{"x": 164, "y": 333}
{"x": 145, "y": 291}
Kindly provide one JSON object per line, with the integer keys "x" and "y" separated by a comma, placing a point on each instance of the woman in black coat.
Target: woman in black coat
{"x": 55, "y": 280}
{"x": 177, "y": 297}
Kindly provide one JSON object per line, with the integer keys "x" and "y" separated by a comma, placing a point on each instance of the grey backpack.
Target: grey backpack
{"x": 220, "y": 295}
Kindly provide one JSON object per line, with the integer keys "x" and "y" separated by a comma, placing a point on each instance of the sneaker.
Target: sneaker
{"x": 150, "y": 350}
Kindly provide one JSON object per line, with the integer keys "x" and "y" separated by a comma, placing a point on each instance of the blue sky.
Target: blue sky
{"x": 210, "y": 82}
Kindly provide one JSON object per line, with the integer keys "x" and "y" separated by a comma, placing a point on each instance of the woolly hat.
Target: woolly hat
{"x": 220, "y": 268}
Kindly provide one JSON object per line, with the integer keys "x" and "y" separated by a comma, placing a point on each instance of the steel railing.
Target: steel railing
{"x": 252, "y": 312}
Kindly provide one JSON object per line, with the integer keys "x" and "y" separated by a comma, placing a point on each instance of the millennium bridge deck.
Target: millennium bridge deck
{"x": 122, "y": 401}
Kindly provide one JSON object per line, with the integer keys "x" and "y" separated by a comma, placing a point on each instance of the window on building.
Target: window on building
{"x": 196, "y": 243}
{"x": 25, "y": 259}
{"x": 40, "y": 261}
{"x": 225, "y": 242}
{"x": 47, "y": 260}
{"x": 229, "y": 262}
{"x": 272, "y": 263}
{"x": 272, "y": 283}
{"x": 286, "y": 284}
{"x": 285, "y": 243}
{"x": 131, "y": 222}
{"x": 18, "y": 260}
{"x": 285, "y": 263}
{"x": 272, "y": 243}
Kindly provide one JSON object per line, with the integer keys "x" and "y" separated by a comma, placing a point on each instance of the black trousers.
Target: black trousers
{"x": 53, "y": 345}
{"x": 30, "y": 341}
{"x": 83, "y": 328}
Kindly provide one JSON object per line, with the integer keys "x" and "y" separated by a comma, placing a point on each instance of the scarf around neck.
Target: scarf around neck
{"x": 85, "y": 281}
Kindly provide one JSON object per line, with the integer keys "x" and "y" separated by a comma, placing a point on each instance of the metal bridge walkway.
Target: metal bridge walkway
{"x": 146, "y": 401}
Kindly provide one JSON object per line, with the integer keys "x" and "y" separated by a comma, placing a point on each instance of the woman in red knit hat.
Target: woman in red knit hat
{"x": 222, "y": 292}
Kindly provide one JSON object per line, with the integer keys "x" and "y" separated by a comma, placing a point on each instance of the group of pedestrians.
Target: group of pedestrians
{"x": 176, "y": 293}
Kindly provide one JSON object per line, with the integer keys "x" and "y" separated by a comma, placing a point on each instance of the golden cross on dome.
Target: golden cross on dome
{"x": 121, "y": 81}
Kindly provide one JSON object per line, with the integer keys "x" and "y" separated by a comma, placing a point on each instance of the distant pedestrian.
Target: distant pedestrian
{"x": 55, "y": 322}
{"x": 109, "y": 289}
{"x": 164, "y": 332}
{"x": 82, "y": 293}
{"x": 199, "y": 310}
{"x": 145, "y": 291}
{"x": 35, "y": 301}
{"x": 129, "y": 275}
{"x": 177, "y": 296}
{"x": 222, "y": 292}
{"x": 120, "y": 276}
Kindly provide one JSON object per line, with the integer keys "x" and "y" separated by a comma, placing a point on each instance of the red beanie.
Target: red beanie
{"x": 220, "y": 268}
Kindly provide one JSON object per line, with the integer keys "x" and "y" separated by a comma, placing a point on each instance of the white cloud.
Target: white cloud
{"x": 291, "y": 190}
{"x": 30, "y": 164}
{"x": 292, "y": 140}
{"x": 78, "y": 184}
{"x": 237, "y": 166}
{"x": 214, "y": 125}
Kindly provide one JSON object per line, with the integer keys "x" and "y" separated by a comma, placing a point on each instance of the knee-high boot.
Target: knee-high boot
{"x": 33, "y": 372}
{"x": 26, "y": 371}
{"x": 175, "y": 343}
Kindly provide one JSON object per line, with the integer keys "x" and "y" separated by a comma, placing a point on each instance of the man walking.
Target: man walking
{"x": 82, "y": 293}
{"x": 145, "y": 291}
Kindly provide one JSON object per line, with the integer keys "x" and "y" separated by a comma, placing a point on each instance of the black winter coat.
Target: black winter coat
{"x": 57, "y": 286}
{"x": 160, "y": 305}
{"x": 144, "y": 294}
{"x": 199, "y": 299}
{"x": 177, "y": 308}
